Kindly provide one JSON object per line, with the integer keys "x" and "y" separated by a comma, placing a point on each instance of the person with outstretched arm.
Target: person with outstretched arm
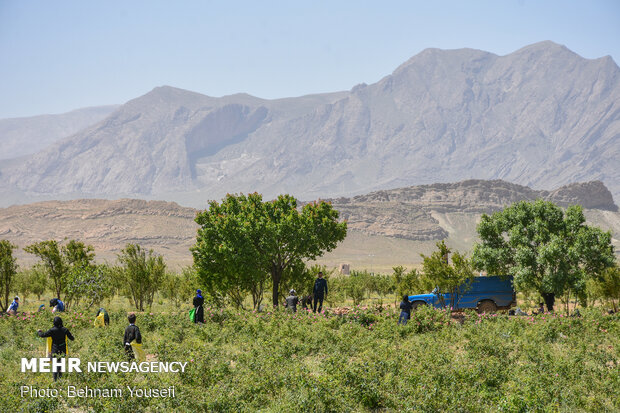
{"x": 319, "y": 292}
{"x": 132, "y": 332}
{"x": 59, "y": 335}
{"x": 199, "y": 315}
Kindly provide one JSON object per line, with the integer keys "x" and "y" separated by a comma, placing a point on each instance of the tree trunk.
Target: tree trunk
{"x": 5, "y": 304}
{"x": 276, "y": 276}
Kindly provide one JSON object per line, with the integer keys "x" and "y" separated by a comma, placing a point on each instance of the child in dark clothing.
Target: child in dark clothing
{"x": 132, "y": 332}
{"x": 59, "y": 335}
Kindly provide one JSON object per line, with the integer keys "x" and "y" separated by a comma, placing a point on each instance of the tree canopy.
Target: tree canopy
{"x": 243, "y": 242}
{"x": 140, "y": 274}
{"x": 59, "y": 261}
{"x": 447, "y": 278}
{"x": 544, "y": 248}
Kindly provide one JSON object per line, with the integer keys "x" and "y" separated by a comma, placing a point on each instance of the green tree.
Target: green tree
{"x": 447, "y": 278}
{"x": 355, "y": 286}
{"x": 544, "y": 248}
{"x": 90, "y": 283}
{"x": 242, "y": 240}
{"x": 8, "y": 270}
{"x": 32, "y": 281}
{"x": 181, "y": 287}
{"x": 59, "y": 261}
{"x": 607, "y": 286}
{"x": 412, "y": 282}
{"x": 140, "y": 275}
{"x": 77, "y": 254}
{"x": 52, "y": 262}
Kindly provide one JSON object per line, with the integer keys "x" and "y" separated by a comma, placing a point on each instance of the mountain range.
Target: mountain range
{"x": 541, "y": 116}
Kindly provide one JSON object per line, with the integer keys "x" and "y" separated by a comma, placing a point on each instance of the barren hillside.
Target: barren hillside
{"x": 386, "y": 228}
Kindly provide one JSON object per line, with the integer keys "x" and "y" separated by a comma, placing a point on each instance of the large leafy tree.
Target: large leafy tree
{"x": 8, "y": 269}
{"x": 242, "y": 241}
{"x": 446, "y": 277}
{"x": 60, "y": 261}
{"x": 140, "y": 274}
{"x": 546, "y": 249}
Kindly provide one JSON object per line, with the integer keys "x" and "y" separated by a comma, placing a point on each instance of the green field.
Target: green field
{"x": 359, "y": 361}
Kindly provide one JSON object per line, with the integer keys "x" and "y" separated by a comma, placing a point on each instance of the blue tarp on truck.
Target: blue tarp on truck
{"x": 486, "y": 294}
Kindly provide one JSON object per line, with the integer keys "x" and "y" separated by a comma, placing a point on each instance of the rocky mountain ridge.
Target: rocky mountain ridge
{"x": 541, "y": 116}
{"x": 408, "y": 212}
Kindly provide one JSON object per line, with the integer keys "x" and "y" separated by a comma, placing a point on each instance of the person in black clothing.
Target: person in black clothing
{"x": 319, "y": 292}
{"x": 132, "y": 332}
{"x": 291, "y": 301}
{"x": 58, "y": 333}
{"x": 405, "y": 310}
{"x": 106, "y": 317}
{"x": 199, "y": 315}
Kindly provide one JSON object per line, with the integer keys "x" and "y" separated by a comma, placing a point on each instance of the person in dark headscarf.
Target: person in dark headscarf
{"x": 199, "y": 315}
{"x": 132, "y": 332}
{"x": 59, "y": 335}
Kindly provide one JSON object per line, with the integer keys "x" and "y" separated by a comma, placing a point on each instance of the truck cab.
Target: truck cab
{"x": 485, "y": 294}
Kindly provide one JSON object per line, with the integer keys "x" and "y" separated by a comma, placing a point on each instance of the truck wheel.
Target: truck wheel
{"x": 417, "y": 304}
{"x": 487, "y": 306}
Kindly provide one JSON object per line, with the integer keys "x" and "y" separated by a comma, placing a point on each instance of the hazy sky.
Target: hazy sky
{"x": 56, "y": 56}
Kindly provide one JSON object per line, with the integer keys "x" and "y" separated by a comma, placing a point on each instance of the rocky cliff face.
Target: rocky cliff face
{"x": 409, "y": 212}
{"x": 476, "y": 195}
{"x": 541, "y": 116}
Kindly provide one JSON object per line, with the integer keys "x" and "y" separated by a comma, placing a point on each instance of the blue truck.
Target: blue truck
{"x": 485, "y": 294}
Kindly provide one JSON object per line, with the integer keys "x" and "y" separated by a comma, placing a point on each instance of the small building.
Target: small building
{"x": 344, "y": 269}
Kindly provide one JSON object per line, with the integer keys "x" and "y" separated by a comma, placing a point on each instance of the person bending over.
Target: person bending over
{"x": 12, "y": 310}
